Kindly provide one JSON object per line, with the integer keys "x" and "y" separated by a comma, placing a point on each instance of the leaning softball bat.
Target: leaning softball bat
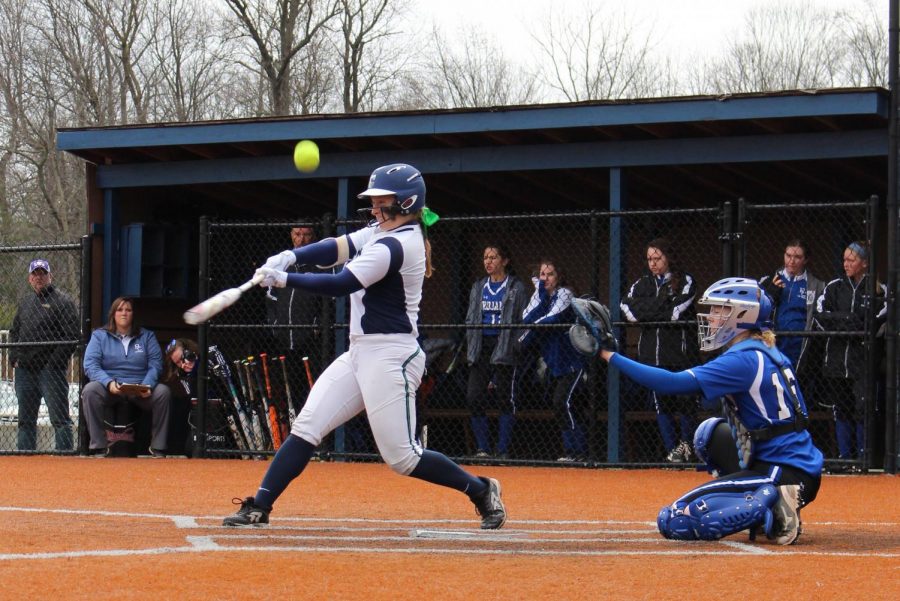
{"x": 306, "y": 156}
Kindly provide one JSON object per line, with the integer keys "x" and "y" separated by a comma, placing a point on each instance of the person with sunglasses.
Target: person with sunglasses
{"x": 180, "y": 376}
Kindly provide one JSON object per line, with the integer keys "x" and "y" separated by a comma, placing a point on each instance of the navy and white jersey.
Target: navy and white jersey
{"x": 749, "y": 376}
{"x": 391, "y": 267}
{"x": 492, "y": 297}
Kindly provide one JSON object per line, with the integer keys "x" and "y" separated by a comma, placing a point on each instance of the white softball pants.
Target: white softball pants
{"x": 379, "y": 374}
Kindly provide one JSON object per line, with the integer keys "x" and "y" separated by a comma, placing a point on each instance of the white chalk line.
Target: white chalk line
{"x": 207, "y": 543}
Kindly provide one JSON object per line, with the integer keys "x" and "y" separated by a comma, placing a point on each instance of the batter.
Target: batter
{"x": 385, "y": 266}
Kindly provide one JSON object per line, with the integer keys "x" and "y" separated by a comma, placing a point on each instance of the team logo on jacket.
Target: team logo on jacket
{"x": 138, "y": 347}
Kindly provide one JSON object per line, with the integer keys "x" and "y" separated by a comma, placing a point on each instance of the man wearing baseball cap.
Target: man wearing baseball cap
{"x": 45, "y": 314}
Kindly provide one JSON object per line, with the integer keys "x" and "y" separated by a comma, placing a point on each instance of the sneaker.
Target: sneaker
{"x": 490, "y": 506}
{"x": 157, "y": 453}
{"x": 250, "y": 514}
{"x": 688, "y": 452}
{"x": 482, "y": 454}
{"x": 567, "y": 459}
{"x": 680, "y": 453}
{"x": 787, "y": 526}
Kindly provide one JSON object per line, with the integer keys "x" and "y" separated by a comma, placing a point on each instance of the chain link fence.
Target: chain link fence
{"x": 41, "y": 287}
{"x": 536, "y": 409}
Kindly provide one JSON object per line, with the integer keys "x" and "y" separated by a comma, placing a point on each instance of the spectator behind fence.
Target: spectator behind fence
{"x": 551, "y": 304}
{"x": 292, "y": 306}
{"x": 498, "y": 298}
{"x": 842, "y": 308}
{"x": 44, "y": 315}
{"x": 181, "y": 379}
{"x": 794, "y": 291}
{"x": 120, "y": 353}
{"x": 667, "y": 294}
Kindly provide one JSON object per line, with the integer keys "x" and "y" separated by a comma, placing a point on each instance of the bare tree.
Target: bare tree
{"x": 475, "y": 73}
{"x": 129, "y": 32}
{"x": 365, "y": 23}
{"x": 279, "y": 29}
{"x": 13, "y": 49}
{"x": 195, "y": 63}
{"x": 315, "y": 81}
{"x": 782, "y": 47}
{"x": 867, "y": 47}
{"x": 592, "y": 55}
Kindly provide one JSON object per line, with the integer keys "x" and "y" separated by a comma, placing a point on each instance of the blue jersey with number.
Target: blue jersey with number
{"x": 747, "y": 373}
{"x": 492, "y": 296}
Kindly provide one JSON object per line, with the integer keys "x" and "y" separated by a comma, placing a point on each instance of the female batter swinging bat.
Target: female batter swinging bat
{"x": 386, "y": 263}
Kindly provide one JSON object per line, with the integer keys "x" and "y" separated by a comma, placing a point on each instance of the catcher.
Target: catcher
{"x": 765, "y": 464}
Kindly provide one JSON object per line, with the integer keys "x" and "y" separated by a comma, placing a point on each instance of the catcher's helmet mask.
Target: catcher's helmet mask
{"x": 742, "y": 306}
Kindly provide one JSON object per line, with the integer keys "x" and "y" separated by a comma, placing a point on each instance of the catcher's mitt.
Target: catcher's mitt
{"x": 593, "y": 328}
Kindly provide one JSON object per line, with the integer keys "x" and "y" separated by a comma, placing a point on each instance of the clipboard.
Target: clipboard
{"x": 133, "y": 389}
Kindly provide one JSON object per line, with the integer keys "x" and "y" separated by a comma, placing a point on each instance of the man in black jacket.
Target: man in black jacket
{"x": 293, "y": 307}
{"x": 44, "y": 315}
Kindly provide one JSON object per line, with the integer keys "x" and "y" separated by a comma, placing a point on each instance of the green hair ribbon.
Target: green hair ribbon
{"x": 429, "y": 217}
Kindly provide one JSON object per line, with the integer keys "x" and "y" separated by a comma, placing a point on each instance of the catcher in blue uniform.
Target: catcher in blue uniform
{"x": 766, "y": 465}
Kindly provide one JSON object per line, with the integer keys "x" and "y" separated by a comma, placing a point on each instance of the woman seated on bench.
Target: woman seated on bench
{"x": 120, "y": 354}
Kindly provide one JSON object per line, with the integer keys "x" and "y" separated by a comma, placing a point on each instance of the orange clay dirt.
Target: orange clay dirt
{"x": 95, "y": 529}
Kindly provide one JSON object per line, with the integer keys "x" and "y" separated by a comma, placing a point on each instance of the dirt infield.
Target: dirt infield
{"x": 93, "y": 529}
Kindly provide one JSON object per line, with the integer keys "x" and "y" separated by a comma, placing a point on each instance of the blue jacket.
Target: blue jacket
{"x": 105, "y": 359}
{"x": 558, "y": 353}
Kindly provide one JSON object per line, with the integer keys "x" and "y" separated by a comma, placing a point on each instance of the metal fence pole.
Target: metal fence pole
{"x": 870, "y": 371}
{"x": 726, "y": 223}
{"x": 613, "y": 388}
{"x": 340, "y": 307}
{"x": 892, "y": 424}
{"x": 199, "y": 436}
{"x": 84, "y": 335}
{"x": 739, "y": 240}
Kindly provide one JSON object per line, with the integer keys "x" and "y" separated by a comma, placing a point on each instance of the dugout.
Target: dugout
{"x": 670, "y": 152}
{"x": 149, "y": 185}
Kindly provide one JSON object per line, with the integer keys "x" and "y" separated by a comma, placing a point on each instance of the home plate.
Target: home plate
{"x": 462, "y": 534}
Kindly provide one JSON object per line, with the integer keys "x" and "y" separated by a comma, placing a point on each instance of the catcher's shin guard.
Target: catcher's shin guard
{"x": 717, "y": 515}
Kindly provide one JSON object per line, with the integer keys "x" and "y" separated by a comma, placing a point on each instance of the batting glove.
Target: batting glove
{"x": 281, "y": 261}
{"x": 272, "y": 277}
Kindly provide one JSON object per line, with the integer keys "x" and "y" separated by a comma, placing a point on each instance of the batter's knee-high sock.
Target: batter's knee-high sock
{"x": 843, "y": 431}
{"x": 667, "y": 430}
{"x": 480, "y": 432}
{"x": 289, "y": 462}
{"x": 438, "y": 469}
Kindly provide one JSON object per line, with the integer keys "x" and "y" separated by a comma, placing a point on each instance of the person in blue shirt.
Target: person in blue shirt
{"x": 496, "y": 299}
{"x": 122, "y": 352}
{"x": 766, "y": 464}
{"x": 551, "y": 304}
{"x": 794, "y": 291}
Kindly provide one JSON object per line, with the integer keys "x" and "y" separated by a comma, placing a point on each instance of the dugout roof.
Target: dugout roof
{"x": 690, "y": 151}
{"x": 816, "y": 145}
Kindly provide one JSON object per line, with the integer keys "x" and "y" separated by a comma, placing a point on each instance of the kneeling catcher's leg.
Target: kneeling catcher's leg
{"x": 716, "y": 515}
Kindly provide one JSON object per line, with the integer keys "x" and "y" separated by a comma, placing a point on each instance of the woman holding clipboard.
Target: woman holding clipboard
{"x": 123, "y": 362}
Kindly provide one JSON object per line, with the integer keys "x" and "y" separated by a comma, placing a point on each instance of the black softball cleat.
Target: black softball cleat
{"x": 250, "y": 514}
{"x": 489, "y": 506}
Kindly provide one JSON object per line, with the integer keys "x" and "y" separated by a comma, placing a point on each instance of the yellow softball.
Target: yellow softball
{"x": 306, "y": 156}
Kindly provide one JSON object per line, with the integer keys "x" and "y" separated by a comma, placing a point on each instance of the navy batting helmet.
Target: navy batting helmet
{"x": 401, "y": 180}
